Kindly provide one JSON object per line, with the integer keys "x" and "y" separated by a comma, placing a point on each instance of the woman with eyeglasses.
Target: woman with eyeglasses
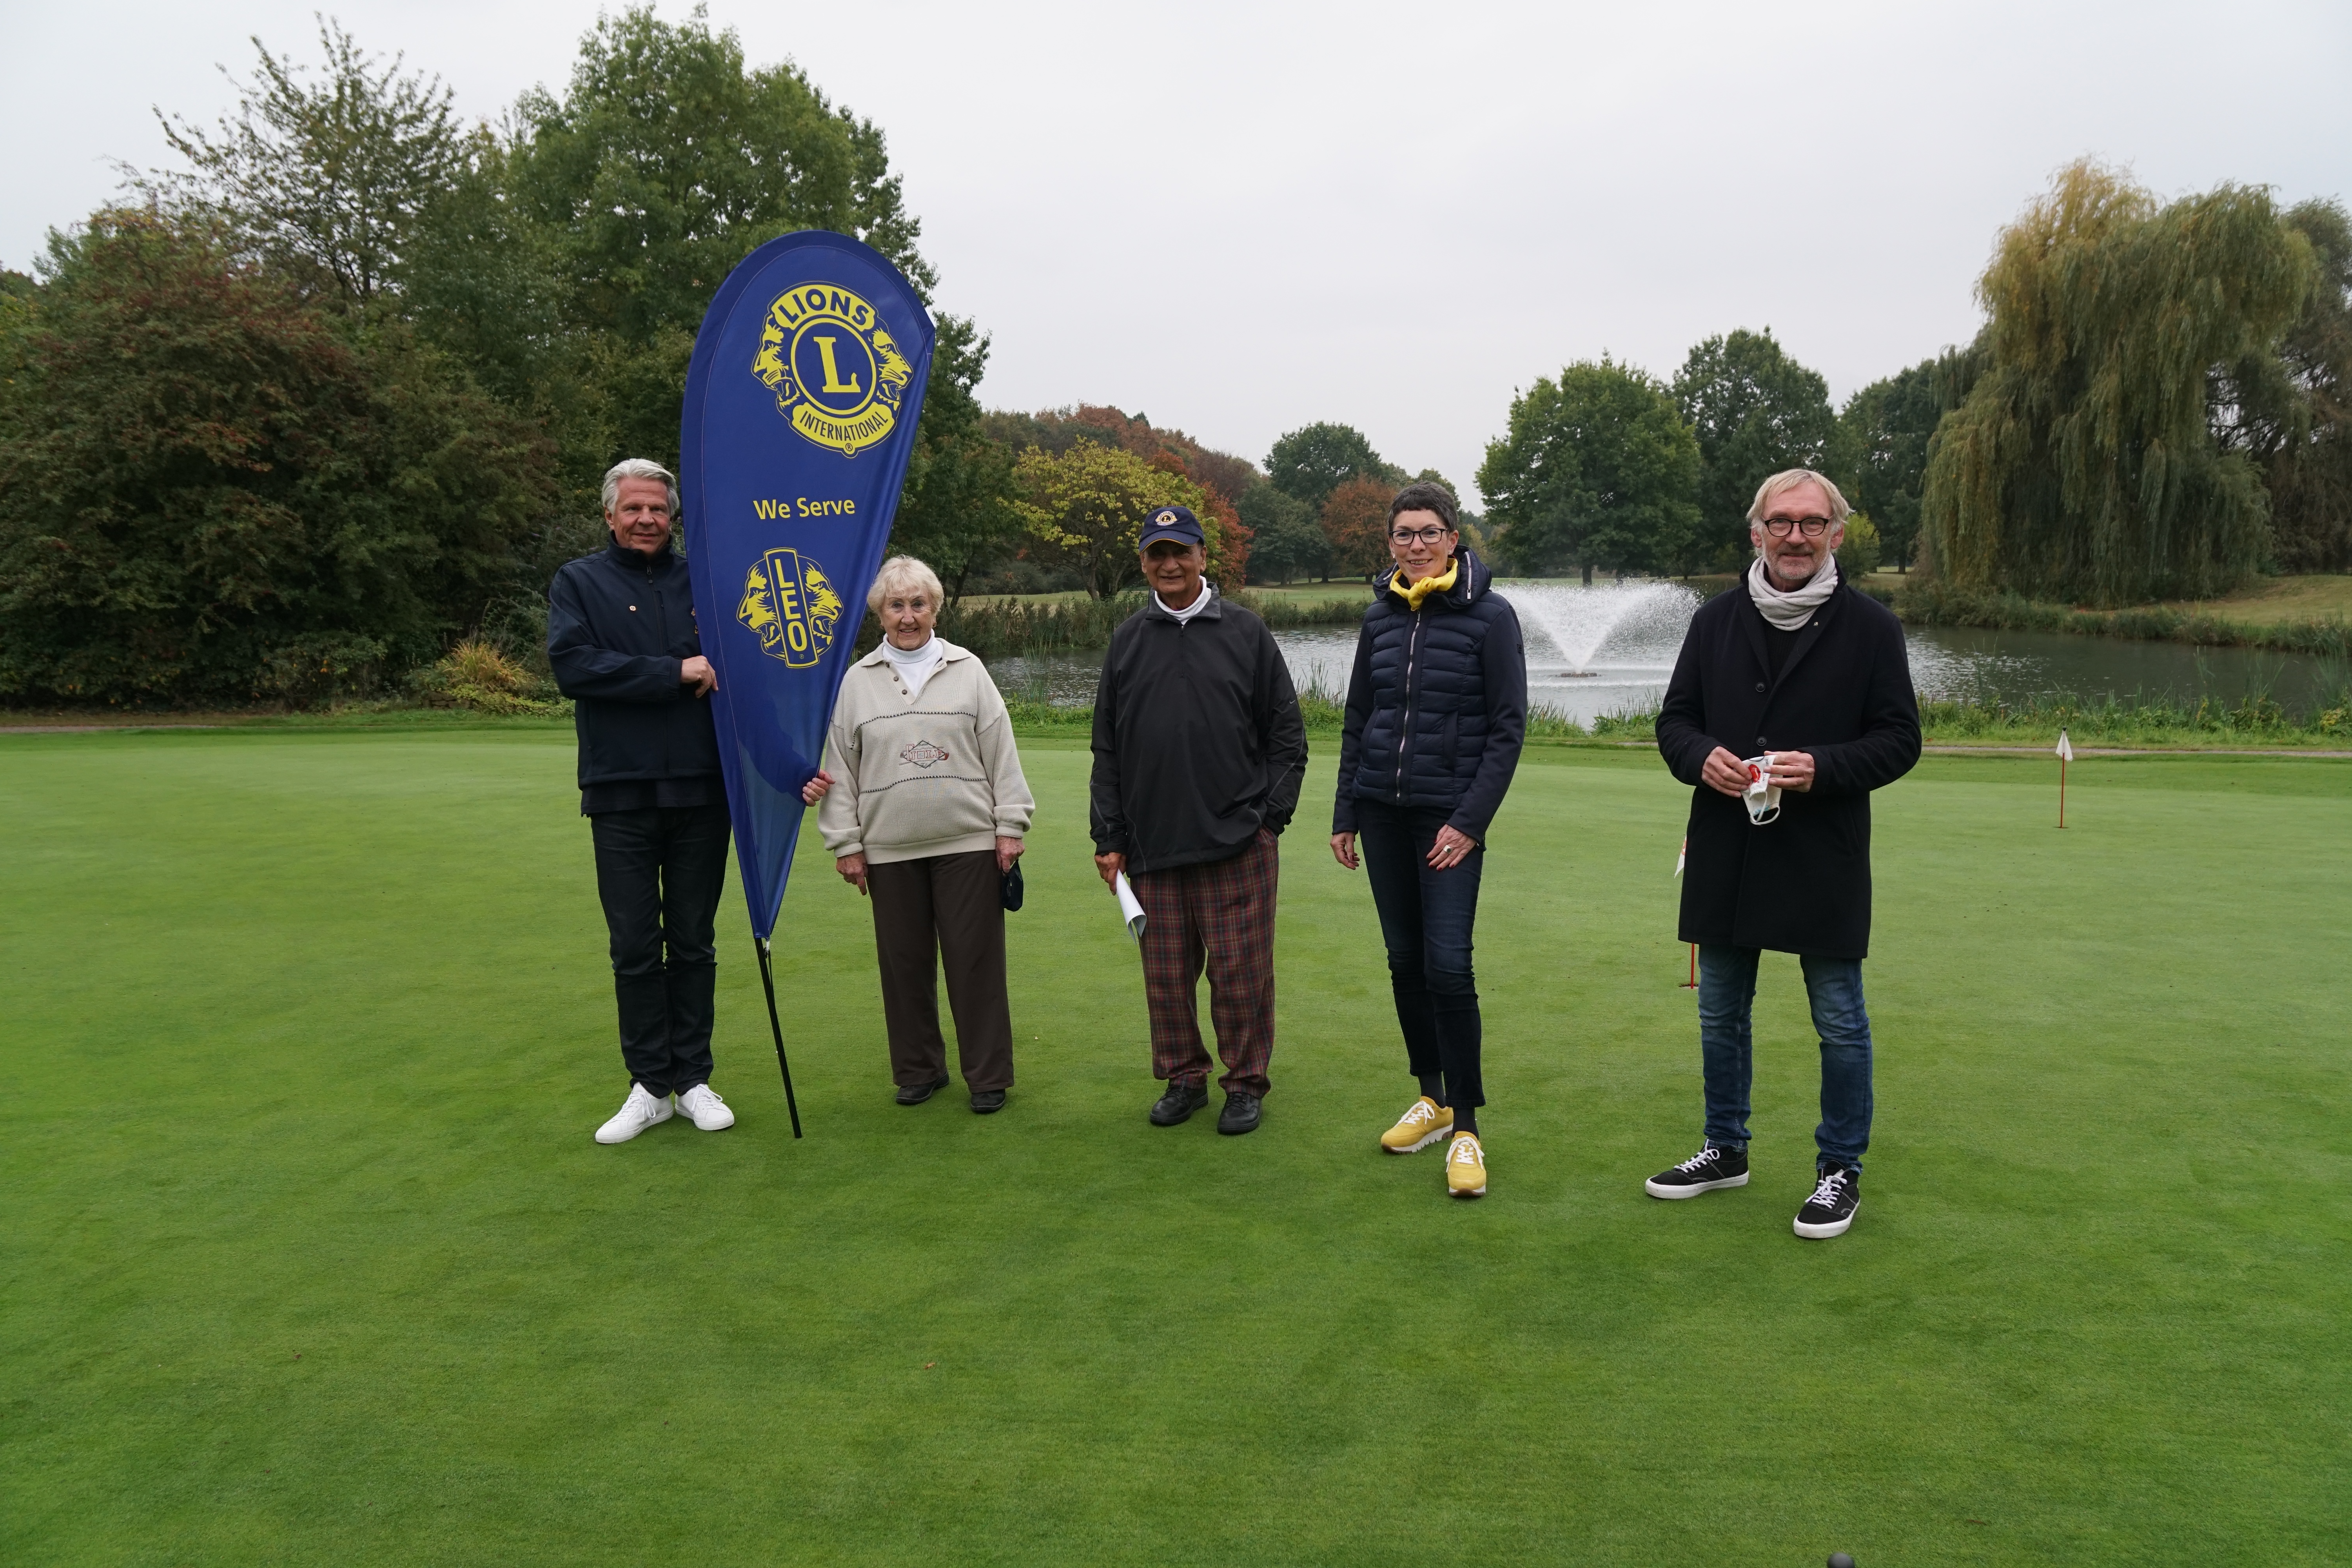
{"x": 1436, "y": 713}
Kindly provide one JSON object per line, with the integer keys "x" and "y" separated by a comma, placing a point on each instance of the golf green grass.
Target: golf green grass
{"x": 310, "y": 1258}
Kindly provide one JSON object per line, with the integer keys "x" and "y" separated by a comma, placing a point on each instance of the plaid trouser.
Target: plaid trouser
{"x": 1221, "y": 913}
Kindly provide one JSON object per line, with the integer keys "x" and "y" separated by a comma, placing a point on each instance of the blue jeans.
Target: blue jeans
{"x": 1425, "y": 921}
{"x": 1727, "y": 997}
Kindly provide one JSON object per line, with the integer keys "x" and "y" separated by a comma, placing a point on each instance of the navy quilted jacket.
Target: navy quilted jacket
{"x": 1437, "y": 706}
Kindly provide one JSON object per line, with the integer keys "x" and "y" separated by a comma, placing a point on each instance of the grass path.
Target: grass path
{"x": 313, "y": 1258}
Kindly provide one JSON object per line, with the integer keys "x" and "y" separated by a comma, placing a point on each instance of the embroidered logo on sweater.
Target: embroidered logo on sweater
{"x": 923, "y": 754}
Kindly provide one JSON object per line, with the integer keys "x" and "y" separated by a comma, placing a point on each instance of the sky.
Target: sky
{"x": 1238, "y": 219}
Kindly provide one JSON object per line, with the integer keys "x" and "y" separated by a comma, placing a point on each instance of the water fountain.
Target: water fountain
{"x": 1641, "y": 624}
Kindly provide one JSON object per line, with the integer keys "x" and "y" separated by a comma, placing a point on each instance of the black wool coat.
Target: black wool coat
{"x": 1800, "y": 883}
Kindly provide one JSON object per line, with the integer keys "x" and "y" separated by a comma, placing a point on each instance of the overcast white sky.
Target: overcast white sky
{"x": 1239, "y": 218}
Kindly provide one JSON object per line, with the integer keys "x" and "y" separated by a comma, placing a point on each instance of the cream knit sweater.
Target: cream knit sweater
{"x": 936, "y": 775}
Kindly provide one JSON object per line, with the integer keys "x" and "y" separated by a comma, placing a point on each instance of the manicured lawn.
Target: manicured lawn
{"x": 2271, "y": 600}
{"x": 311, "y": 1258}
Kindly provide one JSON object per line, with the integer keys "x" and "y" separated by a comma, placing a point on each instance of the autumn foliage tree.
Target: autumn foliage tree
{"x": 1355, "y": 522}
{"x": 1220, "y": 476}
{"x": 1086, "y": 509}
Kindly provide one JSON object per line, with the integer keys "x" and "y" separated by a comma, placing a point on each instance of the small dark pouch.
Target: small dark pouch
{"x": 1012, "y": 887}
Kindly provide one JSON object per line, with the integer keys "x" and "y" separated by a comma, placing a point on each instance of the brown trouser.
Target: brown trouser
{"x": 951, "y": 907}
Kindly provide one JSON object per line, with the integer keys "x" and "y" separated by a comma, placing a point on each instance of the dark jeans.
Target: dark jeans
{"x": 1425, "y": 921}
{"x": 950, "y": 907}
{"x": 660, "y": 873}
{"x": 1727, "y": 997}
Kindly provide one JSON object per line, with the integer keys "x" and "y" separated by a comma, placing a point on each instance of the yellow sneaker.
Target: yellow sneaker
{"x": 1465, "y": 1167}
{"x": 1418, "y": 1128}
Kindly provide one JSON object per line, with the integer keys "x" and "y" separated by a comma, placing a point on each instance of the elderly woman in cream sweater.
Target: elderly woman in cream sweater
{"x": 927, "y": 823}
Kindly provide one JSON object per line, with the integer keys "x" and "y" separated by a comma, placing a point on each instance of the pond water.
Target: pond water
{"x": 1610, "y": 648}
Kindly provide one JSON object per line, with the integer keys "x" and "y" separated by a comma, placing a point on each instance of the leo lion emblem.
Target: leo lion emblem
{"x": 791, "y": 606}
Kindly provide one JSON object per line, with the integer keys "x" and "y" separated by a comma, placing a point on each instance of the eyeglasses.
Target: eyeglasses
{"x": 1429, "y": 535}
{"x": 1811, "y": 527}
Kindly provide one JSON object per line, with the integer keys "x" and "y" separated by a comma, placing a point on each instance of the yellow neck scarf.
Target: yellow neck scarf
{"x": 1438, "y": 583}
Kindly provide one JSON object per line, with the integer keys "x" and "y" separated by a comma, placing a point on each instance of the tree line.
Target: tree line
{"x": 294, "y": 419}
{"x": 2155, "y": 407}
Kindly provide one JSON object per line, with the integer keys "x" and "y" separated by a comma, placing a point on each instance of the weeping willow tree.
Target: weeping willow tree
{"x": 2082, "y": 463}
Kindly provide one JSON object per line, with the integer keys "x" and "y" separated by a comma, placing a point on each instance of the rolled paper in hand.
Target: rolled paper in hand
{"x": 1130, "y": 910}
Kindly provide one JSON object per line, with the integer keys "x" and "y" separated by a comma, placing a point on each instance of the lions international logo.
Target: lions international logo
{"x": 923, "y": 754}
{"x": 836, "y": 375}
{"x": 792, "y": 605}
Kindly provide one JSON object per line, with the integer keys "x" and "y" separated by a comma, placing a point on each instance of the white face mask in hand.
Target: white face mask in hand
{"x": 1762, "y": 797}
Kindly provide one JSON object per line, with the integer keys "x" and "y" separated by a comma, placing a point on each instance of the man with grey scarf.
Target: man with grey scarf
{"x": 1791, "y": 702}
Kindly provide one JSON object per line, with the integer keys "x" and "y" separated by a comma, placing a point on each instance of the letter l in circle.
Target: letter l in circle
{"x": 832, "y": 382}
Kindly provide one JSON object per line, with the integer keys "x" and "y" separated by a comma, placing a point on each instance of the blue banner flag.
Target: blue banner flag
{"x": 801, "y": 405}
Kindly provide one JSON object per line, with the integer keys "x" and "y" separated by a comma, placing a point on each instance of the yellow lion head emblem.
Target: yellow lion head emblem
{"x": 791, "y": 606}
{"x": 824, "y": 604}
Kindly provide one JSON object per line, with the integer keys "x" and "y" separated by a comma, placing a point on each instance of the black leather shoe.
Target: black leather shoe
{"x": 915, "y": 1094}
{"x": 1241, "y": 1111}
{"x": 1181, "y": 1101}
{"x": 987, "y": 1101}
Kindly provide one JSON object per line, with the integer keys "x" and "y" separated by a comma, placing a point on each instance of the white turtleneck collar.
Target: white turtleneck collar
{"x": 914, "y": 666}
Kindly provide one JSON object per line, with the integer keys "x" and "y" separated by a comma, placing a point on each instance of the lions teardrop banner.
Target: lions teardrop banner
{"x": 800, "y": 405}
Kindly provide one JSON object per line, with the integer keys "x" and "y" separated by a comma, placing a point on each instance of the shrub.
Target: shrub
{"x": 479, "y": 676}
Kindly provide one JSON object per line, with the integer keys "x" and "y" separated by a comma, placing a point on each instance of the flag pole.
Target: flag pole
{"x": 2065, "y": 754}
{"x": 768, "y": 983}
{"x": 1681, "y": 858}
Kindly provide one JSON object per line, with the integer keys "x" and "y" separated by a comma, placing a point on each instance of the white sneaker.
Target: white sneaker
{"x": 637, "y": 1113}
{"x": 702, "y": 1106}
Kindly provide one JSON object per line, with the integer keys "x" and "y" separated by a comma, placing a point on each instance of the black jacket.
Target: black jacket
{"x": 1437, "y": 705}
{"x": 618, "y": 627}
{"x": 1198, "y": 740}
{"x": 1801, "y": 883}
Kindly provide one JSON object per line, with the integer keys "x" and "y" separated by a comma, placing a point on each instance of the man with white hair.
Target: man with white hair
{"x": 1791, "y": 702}
{"x": 622, "y": 636}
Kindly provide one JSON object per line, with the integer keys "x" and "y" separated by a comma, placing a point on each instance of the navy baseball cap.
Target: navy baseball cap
{"x": 1171, "y": 522}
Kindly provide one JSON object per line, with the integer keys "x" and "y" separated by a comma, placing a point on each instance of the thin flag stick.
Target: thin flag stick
{"x": 1681, "y": 858}
{"x": 768, "y": 983}
{"x": 2066, "y": 755}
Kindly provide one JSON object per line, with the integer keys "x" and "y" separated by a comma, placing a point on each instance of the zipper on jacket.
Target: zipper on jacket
{"x": 1405, "y": 736}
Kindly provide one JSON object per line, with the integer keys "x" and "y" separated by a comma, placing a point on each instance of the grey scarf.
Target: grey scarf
{"x": 1790, "y": 611}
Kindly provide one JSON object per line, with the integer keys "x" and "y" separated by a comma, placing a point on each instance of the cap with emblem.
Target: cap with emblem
{"x": 1170, "y": 523}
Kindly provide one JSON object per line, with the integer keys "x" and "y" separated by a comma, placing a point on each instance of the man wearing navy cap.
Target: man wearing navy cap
{"x": 1199, "y": 753}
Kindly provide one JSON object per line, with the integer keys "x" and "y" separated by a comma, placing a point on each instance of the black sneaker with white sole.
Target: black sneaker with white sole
{"x": 1831, "y": 1208}
{"x": 1703, "y": 1173}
